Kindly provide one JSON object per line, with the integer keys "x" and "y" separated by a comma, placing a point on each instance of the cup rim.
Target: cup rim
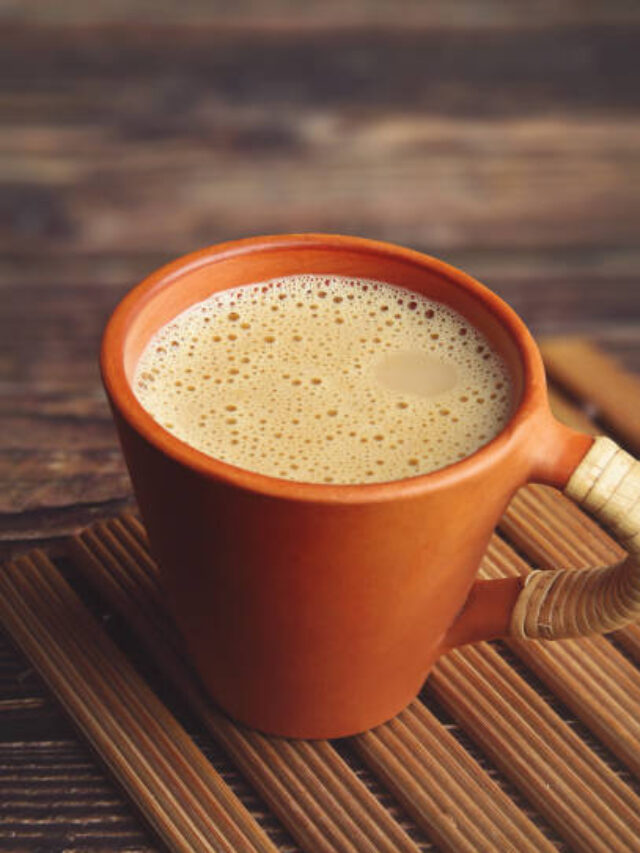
{"x": 127, "y": 406}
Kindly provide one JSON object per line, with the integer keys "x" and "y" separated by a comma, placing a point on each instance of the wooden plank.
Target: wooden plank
{"x": 621, "y": 342}
{"x": 475, "y": 14}
{"x": 326, "y": 171}
{"x": 268, "y": 64}
{"x": 52, "y": 797}
{"x": 112, "y": 273}
{"x": 20, "y": 532}
{"x": 324, "y": 810}
{"x": 52, "y": 790}
{"x": 159, "y": 766}
{"x": 25, "y": 719}
{"x": 51, "y": 477}
{"x": 591, "y": 375}
{"x": 339, "y": 150}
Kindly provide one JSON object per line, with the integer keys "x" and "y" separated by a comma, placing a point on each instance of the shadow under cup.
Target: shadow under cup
{"x": 316, "y": 610}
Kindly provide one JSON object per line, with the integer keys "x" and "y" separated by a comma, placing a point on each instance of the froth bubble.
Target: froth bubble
{"x": 378, "y": 375}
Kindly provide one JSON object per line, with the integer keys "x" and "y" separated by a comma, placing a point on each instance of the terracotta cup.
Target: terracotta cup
{"x": 315, "y": 610}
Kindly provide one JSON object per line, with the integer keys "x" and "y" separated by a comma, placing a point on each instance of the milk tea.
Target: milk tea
{"x": 325, "y": 379}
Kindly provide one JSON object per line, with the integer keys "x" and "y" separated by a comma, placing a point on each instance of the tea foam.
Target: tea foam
{"x": 325, "y": 379}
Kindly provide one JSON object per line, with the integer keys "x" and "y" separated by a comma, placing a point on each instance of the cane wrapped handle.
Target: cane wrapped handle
{"x": 572, "y": 603}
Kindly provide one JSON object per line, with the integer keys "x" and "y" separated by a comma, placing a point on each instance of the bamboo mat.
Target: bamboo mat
{"x": 512, "y": 746}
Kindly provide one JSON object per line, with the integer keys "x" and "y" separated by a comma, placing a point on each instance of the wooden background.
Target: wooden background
{"x": 501, "y": 136}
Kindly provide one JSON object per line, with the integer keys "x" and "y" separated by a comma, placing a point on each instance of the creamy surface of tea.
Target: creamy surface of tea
{"x": 325, "y": 379}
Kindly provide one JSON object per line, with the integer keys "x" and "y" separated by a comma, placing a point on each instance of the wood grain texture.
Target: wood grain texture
{"x": 541, "y": 755}
{"x": 332, "y": 808}
{"x": 597, "y": 682}
{"x": 135, "y": 132}
{"x": 175, "y": 788}
{"x": 587, "y": 373}
{"x": 56, "y": 796}
{"x": 253, "y": 133}
{"x": 535, "y": 749}
{"x": 53, "y": 797}
{"x": 467, "y": 13}
{"x": 129, "y": 139}
{"x": 249, "y": 131}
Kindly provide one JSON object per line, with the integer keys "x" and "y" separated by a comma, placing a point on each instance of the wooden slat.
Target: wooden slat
{"x": 595, "y": 377}
{"x": 440, "y": 786}
{"x": 589, "y": 675}
{"x": 586, "y": 818}
{"x": 309, "y": 787}
{"x": 122, "y": 542}
{"x": 444, "y": 789}
{"x": 150, "y": 754}
{"x": 554, "y": 533}
{"x": 594, "y": 680}
{"x": 629, "y": 640}
{"x": 579, "y": 532}
{"x": 579, "y": 795}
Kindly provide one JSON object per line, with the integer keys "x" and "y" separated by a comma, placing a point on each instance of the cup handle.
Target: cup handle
{"x": 575, "y": 603}
{"x": 552, "y": 604}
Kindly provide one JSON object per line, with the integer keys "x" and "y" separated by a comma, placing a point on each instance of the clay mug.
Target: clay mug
{"x": 316, "y": 611}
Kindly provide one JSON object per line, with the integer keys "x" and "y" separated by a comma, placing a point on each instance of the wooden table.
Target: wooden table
{"x": 502, "y": 138}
